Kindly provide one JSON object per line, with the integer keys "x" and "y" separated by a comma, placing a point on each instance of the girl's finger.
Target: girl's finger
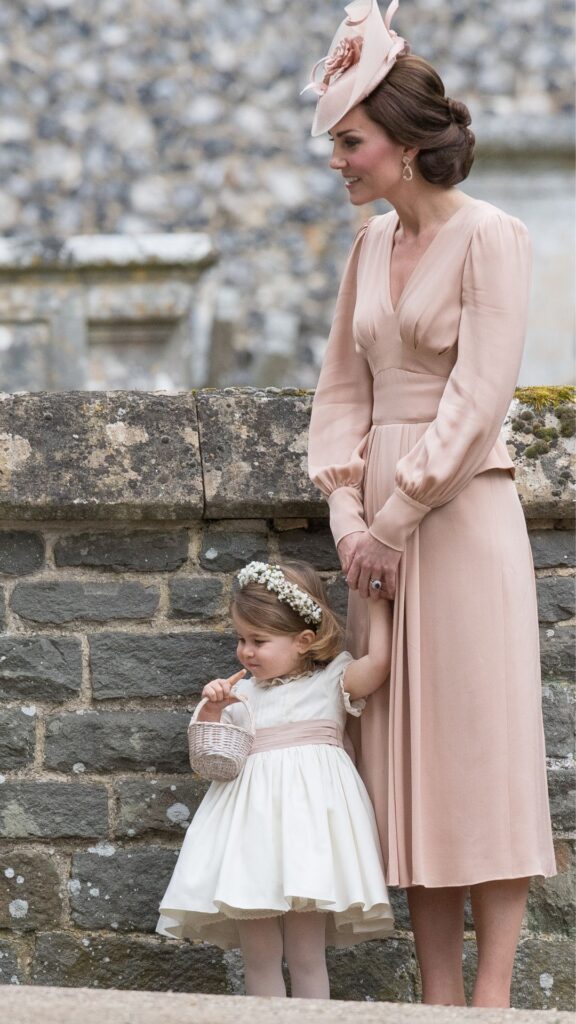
{"x": 234, "y": 679}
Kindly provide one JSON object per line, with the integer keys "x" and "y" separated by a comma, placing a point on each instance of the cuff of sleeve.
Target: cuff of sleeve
{"x": 397, "y": 520}
{"x": 346, "y": 513}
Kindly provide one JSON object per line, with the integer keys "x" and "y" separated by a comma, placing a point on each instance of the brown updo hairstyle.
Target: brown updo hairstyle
{"x": 260, "y": 607}
{"x": 412, "y": 107}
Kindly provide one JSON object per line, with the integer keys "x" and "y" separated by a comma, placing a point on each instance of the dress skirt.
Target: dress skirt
{"x": 452, "y": 752}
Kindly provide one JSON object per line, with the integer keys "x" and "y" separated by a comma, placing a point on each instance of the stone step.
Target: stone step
{"x": 27, "y": 1004}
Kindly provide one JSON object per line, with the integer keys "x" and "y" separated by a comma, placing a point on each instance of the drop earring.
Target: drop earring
{"x": 407, "y": 173}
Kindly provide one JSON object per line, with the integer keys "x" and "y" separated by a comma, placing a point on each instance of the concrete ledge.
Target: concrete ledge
{"x": 218, "y": 454}
{"x": 25, "y": 1005}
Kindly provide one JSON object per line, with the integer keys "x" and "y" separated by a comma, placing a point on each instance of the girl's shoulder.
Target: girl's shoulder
{"x": 332, "y": 672}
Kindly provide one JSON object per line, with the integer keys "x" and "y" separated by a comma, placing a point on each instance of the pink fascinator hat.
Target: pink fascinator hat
{"x": 361, "y": 54}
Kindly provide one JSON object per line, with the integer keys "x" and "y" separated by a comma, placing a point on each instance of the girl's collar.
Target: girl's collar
{"x": 267, "y": 684}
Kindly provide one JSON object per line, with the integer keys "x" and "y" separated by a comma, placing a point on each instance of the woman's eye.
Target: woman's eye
{"x": 351, "y": 143}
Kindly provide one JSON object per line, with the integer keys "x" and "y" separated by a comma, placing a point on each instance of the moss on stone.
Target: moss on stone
{"x": 536, "y": 449}
{"x": 546, "y": 397}
{"x": 546, "y": 433}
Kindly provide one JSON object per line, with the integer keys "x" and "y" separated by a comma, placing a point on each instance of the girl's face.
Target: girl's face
{"x": 367, "y": 159}
{"x": 265, "y": 654}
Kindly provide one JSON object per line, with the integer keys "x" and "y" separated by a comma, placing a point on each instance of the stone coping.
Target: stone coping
{"x": 193, "y": 250}
{"x": 24, "y": 1004}
{"x": 231, "y": 453}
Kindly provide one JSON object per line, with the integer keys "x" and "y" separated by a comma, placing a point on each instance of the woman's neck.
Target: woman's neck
{"x": 424, "y": 210}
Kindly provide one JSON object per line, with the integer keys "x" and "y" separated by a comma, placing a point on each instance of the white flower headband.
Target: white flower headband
{"x": 272, "y": 577}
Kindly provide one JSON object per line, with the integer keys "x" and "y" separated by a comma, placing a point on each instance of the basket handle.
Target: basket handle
{"x": 239, "y": 698}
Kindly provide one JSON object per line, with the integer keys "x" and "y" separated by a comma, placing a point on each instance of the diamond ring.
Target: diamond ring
{"x": 376, "y": 584}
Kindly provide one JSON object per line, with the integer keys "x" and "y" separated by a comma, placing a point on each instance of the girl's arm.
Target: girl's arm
{"x": 367, "y": 674}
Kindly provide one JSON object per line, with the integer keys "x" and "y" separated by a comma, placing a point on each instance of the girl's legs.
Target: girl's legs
{"x": 305, "y": 954}
{"x": 262, "y": 946}
{"x": 438, "y": 924}
{"x": 497, "y": 908}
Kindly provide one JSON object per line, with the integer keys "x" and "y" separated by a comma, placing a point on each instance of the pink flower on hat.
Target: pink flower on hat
{"x": 345, "y": 54}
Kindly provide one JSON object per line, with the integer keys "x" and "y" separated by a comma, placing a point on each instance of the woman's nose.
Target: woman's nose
{"x": 337, "y": 162}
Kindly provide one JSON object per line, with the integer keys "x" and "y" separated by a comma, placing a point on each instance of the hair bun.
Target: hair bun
{"x": 459, "y": 112}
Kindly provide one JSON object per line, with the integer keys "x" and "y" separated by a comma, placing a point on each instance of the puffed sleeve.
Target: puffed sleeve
{"x": 342, "y": 413}
{"x": 495, "y": 291}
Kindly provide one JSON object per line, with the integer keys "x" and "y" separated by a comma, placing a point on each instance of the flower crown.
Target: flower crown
{"x": 272, "y": 577}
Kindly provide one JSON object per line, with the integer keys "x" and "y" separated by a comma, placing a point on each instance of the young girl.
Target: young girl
{"x": 285, "y": 859}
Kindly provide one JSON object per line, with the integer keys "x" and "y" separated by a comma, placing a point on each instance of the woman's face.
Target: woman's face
{"x": 367, "y": 159}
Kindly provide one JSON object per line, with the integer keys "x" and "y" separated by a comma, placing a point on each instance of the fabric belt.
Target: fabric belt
{"x": 298, "y": 734}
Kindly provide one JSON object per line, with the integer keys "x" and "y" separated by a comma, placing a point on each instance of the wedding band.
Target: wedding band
{"x": 376, "y": 584}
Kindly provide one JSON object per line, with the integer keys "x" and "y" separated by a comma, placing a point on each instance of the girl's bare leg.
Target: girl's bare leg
{"x": 261, "y": 943}
{"x": 438, "y": 924}
{"x": 497, "y": 908}
{"x": 305, "y": 954}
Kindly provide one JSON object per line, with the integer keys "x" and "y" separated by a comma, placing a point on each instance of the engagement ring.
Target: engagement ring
{"x": 376, "y": 584}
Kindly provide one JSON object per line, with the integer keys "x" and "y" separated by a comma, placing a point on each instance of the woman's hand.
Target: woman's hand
{"x": 347, "y": 547}
{"x": 372, "y": 560}
{"x": 219, "y": 689}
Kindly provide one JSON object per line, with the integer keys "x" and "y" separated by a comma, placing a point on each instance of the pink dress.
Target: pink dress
{"x": 404, "y": 441}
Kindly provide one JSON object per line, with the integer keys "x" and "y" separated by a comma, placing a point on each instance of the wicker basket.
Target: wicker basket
{"x": 218, "y": 751}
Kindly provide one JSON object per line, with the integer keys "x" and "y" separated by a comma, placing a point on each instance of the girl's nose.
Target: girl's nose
{"x": 337, "y": 162}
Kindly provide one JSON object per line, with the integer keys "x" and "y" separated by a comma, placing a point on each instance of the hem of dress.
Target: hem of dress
{"x": 530, "y": 873}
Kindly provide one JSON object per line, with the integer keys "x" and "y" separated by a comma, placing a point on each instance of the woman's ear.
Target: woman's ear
{"x": 304, "y": 640}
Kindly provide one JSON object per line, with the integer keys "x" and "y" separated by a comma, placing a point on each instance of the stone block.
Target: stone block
{"x": 254, "y": 453}
{"x": 124, "y": 962}
{"x": 17, "y": 738}
{"x": 120, "y": 890}
{"x": 314, "y": 546}
{"x": 551, "y": 900}
{"x": 100, "y": 455}
{"x": 151, "y": 805}
{"x": 374, "y": 971}
{"x": 39, "y": 667}
{"x": 561, "y": 791}
{"x": 195, "y": 597}
{"x": 556, "y": 598}
{"x": 543, "y": 453}
{"x": 224, "y": 551}
{"x": 551, "y": 548}
{"x": 557, "y": 650}
{"x": 543, "y": 975}
{"x": 162, "y": 665}
{"x": 105, "y": 741}
{"x": 11, "y": 973}
{"x": 137, "y": 551}
{"x": 51, "y": 810}
{"x": 558, "y": 707}
{"x": 58, "y": 601}
{"x": 337, "y": 592}
{"x": 20, "y": 552}
{"x": 29, "y": 891}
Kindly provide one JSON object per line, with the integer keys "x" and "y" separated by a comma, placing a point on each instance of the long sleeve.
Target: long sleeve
{"x": 342, "y": 413}
{"x": 480, "y": 387}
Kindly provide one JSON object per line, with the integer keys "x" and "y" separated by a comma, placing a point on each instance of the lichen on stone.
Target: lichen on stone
{"x": 541, "y": 397}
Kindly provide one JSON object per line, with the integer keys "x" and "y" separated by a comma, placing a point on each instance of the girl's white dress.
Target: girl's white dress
{"x": 294, "y": 831}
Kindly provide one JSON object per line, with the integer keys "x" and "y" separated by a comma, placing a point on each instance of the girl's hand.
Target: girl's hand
{"x": 373, "y": 560}
{"x": 347, "y": 547}
{"x": 219, "y": 689}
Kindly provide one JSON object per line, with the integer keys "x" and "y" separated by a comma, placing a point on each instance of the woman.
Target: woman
{"x": 420, "y": 369}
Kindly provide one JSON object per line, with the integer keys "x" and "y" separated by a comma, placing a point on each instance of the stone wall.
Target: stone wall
{"x": 124, "y": 519}
{"x": 126, "y": 117}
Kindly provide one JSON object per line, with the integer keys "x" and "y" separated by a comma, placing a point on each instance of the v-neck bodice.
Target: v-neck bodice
{"x": 429, "y": 251}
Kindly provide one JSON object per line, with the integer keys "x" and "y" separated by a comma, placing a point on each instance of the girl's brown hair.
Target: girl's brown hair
{"x": 412, "y": 107}
{"x": 262, "y": 609}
